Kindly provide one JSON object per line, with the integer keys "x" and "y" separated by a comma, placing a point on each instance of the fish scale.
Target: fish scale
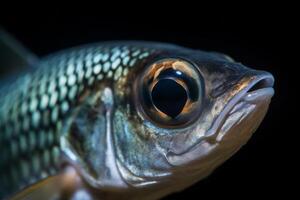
{"x": 32, "y": 114}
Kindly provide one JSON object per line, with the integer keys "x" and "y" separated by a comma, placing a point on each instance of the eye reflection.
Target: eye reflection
{"x": 169, "y": 92}
{"x": 169, "y": 97}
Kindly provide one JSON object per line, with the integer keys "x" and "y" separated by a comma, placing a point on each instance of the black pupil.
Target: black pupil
{"x": 169, "y": 97}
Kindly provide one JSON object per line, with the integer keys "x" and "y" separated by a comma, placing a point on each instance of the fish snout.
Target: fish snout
{"x": 260, "y": 82}
{"x": 246, "y": 110}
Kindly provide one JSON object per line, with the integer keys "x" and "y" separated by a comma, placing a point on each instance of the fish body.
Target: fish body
{"x": 107, "y": 112}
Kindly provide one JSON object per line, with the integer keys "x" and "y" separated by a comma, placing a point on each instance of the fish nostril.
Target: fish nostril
{"x": 263, "y": 83}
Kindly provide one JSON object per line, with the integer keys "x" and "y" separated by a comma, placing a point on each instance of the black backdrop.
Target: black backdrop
{"x": 257, "y": 168}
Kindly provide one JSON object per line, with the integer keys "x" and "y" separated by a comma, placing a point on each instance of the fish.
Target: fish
{"x": 121, "y": 119}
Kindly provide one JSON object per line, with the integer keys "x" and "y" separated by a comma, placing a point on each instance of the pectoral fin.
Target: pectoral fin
{"x": 62, "y": 186}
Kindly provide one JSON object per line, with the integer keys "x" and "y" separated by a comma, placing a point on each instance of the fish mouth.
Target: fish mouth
{"x": 245, "y": 108}
{"x": 256, "y": 95}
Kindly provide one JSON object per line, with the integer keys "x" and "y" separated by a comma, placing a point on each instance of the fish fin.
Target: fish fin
{"x": 61, "y": 186}
{"x": 13, "y": 56}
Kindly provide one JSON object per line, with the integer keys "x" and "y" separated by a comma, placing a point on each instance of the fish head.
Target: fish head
{"x": 169, "y": 122}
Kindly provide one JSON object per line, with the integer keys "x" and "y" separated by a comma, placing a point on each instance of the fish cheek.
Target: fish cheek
{"x": 138, "y": 158}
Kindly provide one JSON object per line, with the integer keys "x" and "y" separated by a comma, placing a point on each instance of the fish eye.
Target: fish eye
{"x": 170, "y": 92}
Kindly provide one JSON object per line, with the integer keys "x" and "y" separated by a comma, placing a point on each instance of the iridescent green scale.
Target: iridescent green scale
{"x": 33, "y": 111}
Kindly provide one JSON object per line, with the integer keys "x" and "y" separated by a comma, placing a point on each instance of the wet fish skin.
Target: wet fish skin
{"x": 32, "y": 114}
{"x": 40, "y": 110}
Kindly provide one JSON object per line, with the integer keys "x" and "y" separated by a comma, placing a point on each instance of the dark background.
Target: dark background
{"x": 258, "y": 41}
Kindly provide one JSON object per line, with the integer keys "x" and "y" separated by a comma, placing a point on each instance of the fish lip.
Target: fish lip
{"x": 263, "y": 80}
{"x": 260, "y": 89}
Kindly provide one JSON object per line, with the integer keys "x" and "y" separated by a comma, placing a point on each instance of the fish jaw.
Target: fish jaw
{"x": 232, "y": 129}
